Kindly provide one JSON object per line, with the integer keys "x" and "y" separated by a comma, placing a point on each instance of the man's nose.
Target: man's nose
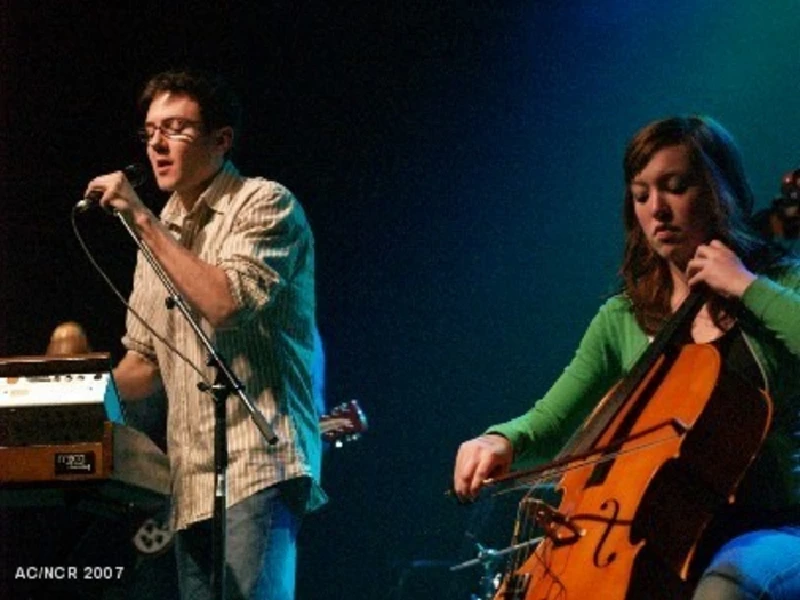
{"x": 157, "y": 139}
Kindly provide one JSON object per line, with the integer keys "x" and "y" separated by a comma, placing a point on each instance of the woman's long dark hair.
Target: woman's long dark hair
{"x": 728, "y": 201}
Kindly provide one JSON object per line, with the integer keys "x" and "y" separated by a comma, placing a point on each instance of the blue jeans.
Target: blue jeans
{"x": 762, "y": 564}
{"x": 260, "y": 552}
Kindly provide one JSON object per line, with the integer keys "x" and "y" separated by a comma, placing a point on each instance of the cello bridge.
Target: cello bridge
{"x": 556, "y": 525}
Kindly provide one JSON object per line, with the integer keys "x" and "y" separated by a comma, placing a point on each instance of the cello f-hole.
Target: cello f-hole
{"x": 599, "y": 561}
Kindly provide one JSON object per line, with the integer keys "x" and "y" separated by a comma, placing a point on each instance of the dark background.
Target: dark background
{"x": 460, "y": 165}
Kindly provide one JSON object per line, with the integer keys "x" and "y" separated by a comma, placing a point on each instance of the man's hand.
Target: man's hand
{"x": 118, "y": 194}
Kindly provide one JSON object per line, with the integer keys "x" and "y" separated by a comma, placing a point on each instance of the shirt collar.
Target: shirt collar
{"x": 216, "y": 196}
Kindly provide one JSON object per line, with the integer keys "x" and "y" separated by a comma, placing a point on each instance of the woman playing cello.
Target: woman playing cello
{"x": 686, "y": 211}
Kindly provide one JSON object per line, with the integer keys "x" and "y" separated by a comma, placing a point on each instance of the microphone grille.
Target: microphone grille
{"x": 135, "y": 174}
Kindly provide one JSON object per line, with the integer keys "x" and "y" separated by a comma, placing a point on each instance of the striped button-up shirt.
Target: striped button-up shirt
{"x": 257, "y": 232}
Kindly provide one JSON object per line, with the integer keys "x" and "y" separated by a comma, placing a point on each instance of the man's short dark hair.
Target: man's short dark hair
{"x": 219, "y": 104}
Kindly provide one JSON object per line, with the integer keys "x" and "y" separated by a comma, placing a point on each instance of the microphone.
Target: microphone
{"x": 134, "y": 173}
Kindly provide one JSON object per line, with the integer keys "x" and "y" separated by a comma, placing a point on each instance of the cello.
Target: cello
{"x": 641, "y": 478}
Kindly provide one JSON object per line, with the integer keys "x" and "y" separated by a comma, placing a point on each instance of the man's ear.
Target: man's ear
{"x": 223, "y": 138}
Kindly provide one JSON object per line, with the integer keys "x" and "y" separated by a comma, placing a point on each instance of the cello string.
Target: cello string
{"x": 526, "y": 525}
{"x": 512, "y": 563}
{"x": 523, "y": 541}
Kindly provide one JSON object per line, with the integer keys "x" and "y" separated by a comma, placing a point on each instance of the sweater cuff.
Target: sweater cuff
{"x": 517, "y": 441}
{"x": 760, "y": 294}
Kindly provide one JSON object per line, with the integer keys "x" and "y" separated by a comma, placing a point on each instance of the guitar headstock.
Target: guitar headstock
{"x": 345, "y": 423}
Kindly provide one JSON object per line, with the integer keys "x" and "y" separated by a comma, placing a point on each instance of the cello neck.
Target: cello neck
{"x": 668, "y": 337}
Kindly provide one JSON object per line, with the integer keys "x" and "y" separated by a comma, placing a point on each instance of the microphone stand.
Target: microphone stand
{"x": 488, "y": 558}
{"x": 225, "y": 384}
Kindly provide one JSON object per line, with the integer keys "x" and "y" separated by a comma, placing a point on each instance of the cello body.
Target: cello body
{"x": 628, "y": 522}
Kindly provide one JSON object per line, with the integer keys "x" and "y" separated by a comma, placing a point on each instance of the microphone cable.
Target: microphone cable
{"x": 76, "y": 209}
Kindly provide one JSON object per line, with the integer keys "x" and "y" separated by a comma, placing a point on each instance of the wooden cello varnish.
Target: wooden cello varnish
{"x": 678, "y": 435}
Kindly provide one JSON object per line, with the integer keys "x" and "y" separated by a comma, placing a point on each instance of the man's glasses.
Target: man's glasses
{"x": 173, "y": 128}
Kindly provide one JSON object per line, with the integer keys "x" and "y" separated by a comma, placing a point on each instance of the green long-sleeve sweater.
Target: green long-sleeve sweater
{"x": 612, "y": 343}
